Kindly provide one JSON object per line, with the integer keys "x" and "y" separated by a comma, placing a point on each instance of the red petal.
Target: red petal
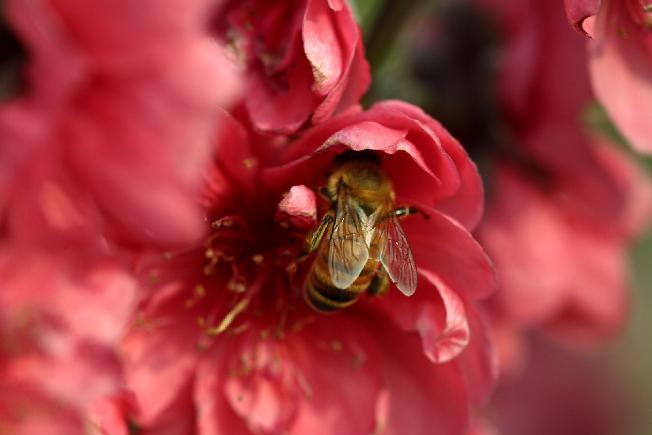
{"x": 424, "y": 398}
{"x": 446, "y": 249}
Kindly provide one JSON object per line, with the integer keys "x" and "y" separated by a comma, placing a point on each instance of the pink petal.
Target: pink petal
{"x": 580, "y": 10}
{"x": 579, "y": 273}
{"x": 75, "y": 372}
{"x": 51, "y": 285}
{"x": 292, "y": 385}
{"x": 24, "y": 410}
{"x": 479, "y": 360}
{"x": 214, "y": 413}
{"x": 333, "y": 406}
{"x": 423, "y": 398}
{"x": 423, "y": 173}
{"x": 635, "y": 187}
{"x": 351, "y": 90}
{"x": 179, "y": 417}
{"x": 161, "y": 354}
{"x": 435, "y": 312}
{"x": 299, "y": 207}
{"x": 562, "y": 391}
{"x": 596, "y": 305}
{"x": 128, "y": 31}
{"x": 321, "y": 45}
{"x": 482, "y": 427}
{"x": 467, "y": 204}
{"x": 108, "y": 417}
{"x": 446, "y": 249}
{"x": 286, "y": 110}
{"x": 355, "y": 78}
{"x": 626, "y": 61}
{"x": 234, "y": 159}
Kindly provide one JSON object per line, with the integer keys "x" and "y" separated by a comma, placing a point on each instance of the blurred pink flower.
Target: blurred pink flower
{"x": 59, "y": 320}
{"x": 560, "y": 392}
{"x": 573, "y": 279}
{"x": 114, "y": 126}
{"x": 101, "y": 151}
{"x": 563, "y": 206}
{"x": 304, "y": 58}
{"x": 223, "y": 341}
{"x": 620, "y": 61}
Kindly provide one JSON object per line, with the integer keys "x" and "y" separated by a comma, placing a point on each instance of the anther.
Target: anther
{"x": 249, "y": 163}
{"x": 237, "y": 285}
{"x": 225, "y": 222}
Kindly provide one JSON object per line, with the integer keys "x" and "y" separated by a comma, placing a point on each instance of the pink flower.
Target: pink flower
{"x": 620, "y": 61}
{"x": 223, "y": 341}
{"x": 304, "y": 58}
{"x": 564, "y": 206}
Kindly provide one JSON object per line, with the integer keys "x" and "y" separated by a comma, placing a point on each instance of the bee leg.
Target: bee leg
{"x": 313, "y": 239}
{"x": 379, "y": 285}
{"x": 407, "y": 211}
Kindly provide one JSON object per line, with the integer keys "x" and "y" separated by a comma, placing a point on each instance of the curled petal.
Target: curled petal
{"x": 579, "y": 10}
{"x": 436, "y": 313}
{"x": 299, "y": 206}
{"x": 466, "y": 205}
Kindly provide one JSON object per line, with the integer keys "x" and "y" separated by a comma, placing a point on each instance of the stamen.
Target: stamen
{"x": 229, "y": 318}
{"x": 249, "y": 163}
{"x": 226, "y": 222}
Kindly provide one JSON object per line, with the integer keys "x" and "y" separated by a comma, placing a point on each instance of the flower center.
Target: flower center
{"x": 255, "y": 271}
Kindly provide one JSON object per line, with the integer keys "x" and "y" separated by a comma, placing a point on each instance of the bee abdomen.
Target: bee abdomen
{"x": 321, "y": 299}
{"x": 323, "y": 296}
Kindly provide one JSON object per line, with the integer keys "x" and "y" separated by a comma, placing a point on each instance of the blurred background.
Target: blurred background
{"x": 442, "y": 56}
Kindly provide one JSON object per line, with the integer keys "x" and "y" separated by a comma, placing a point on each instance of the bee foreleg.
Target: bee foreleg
{"x": 314, "y": 238}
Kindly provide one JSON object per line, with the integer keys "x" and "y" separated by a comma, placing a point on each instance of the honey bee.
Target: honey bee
{"x": 361, "y": 243}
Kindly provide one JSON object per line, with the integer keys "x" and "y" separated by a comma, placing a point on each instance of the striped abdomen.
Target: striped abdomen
{"x": 322, "y": 295}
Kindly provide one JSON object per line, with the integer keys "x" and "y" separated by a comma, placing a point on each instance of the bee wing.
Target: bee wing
{"x": 347, "y": 250}
{"x": 395, "y": 255}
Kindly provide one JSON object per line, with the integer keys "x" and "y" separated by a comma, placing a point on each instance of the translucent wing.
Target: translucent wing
{"x": 347, "y": 249}
{"x": 395, "y": 254}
